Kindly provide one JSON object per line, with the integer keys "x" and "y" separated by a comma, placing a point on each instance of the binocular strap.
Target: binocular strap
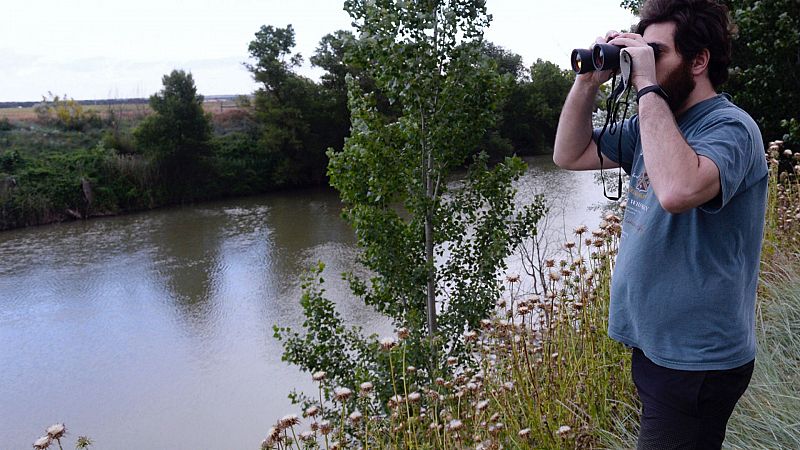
{"x": 626, "y": 67}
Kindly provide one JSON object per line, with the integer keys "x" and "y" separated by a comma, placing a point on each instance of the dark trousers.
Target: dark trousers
{"x": 685, "y": 409}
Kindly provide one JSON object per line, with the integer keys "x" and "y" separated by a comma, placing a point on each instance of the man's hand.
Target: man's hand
{"x": 597, "y": 77}
{"x": 644, "y": 61}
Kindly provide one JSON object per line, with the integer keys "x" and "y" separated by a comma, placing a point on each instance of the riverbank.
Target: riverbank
{"x": 55, "y": 170}
{"x": 547, "y": 376}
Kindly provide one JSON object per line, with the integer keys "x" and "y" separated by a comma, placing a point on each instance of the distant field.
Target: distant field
{"x": 127, "y": 110}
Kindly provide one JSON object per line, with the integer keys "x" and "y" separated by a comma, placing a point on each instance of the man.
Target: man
{"x": 684, "y": 287}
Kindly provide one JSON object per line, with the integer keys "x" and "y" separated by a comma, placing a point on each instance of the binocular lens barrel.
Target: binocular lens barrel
{"x": 582, "y": 60}
{"x": 605, "y": 56}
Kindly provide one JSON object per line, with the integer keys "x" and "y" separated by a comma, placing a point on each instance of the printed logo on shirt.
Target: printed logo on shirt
{"x": 643, "y": 182}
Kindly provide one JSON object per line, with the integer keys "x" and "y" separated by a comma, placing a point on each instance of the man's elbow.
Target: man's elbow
{"x": 674, "y": 203}
{"x": 560, "y": 160}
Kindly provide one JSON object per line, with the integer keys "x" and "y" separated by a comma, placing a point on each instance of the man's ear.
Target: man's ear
{"x": 701, "y": 61}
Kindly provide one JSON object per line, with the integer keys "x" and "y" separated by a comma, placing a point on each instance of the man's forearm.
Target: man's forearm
{"x": 680, "y": 178}
{"x": 574, "y": 130}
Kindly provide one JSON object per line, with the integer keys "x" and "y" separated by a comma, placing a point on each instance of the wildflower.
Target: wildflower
{"x": 509, "y": 386}
{"x": 414, "y": 397}
{"x": 486, "y": 323}
{"x": 495, "y": 417}
{"x": 366, "y": 387}
{"x": 325, "y": 427}
{"x": 472, "y": 386}
{"x": 564, "y": 430}
{"x": 470, "y": 336}
{"x": 395, "y": 401}
{"x": 56, "y": 431}
{"x": 312, "y": 411}
{"x": 403, "y": 333}
{"x": 549, "y": 262}
{"x": 273, "y": 437}
{"x": 787, "y": 153}
{"x": 342, "y": 394}
{"x": 318, "y": 376}
{"x": 83, "y": 442}
{"x": 355, "y": 417}
{"x": 523, "y": 310}
{"x": 455, "y": 425}
{"x": 288, "y": 421}
{"x": 554, "y": 355}
{"x": 307, "y": 436}
{"x": 411, "y": 369}
{"x": 388, "y": 343}
{"x": 581, "y": 229}
{"x": 314, "y": 426}
{"x": 524, "y": 433}
{"x": 452, "y": 360}
{"x": 483, "y": 404}
{"x": 513, "y": 278}
{"x": 42, "y": 443}
{"x": 569, "y": 245}
{"x": 554, "y": 276}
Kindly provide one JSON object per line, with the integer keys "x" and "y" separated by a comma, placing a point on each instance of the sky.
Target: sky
{"x": 98, "y": 49}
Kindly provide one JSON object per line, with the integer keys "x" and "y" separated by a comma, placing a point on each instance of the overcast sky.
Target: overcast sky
{"x": 93, "y": 49}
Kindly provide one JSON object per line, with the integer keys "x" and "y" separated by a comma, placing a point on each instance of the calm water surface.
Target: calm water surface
{"x": 154, "y": 330}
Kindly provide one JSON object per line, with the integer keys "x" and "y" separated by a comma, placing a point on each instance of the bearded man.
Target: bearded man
{"x": 684, "y": 287}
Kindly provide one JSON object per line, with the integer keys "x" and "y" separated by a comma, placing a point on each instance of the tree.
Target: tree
{"x": 766, "y": 61}
{"x": 176, "y": 137}
{"x": 435, "y": 246}
{"x": 291, "y": 110}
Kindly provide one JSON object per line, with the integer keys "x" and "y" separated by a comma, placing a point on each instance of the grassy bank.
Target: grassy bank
{"x": 545, "y": 375}
{"x": 66, "y": 161}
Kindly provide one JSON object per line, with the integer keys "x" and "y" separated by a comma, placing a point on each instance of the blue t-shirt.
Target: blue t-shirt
{"x": 684, "y": 285}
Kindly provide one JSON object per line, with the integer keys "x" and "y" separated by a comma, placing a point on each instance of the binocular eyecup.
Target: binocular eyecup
{"x": 599, "y": 57}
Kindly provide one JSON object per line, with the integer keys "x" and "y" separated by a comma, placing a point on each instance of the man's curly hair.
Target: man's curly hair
{"x": 699, "y": 24}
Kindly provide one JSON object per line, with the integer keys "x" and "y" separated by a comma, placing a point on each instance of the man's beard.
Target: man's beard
{"x": 679, "y": 85}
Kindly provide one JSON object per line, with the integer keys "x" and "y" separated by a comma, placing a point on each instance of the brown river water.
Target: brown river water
{"x": 154, "y": 330}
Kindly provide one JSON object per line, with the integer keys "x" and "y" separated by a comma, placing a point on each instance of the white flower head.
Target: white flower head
{"x": 42, "y": 443}
{"x": 56, "y": 431}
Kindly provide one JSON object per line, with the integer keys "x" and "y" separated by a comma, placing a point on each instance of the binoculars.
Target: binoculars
{"x": 599, "y": 57}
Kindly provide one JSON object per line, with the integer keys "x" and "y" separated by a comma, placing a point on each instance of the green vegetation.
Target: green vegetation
{"x": 547, "y": 376}
{"x": 424, "y": 237}
{"x": 66, "y": 160}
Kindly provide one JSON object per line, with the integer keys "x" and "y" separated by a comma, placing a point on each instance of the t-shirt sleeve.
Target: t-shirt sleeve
{"x": 727, "y": 142}
{"x": 619, "y": 149}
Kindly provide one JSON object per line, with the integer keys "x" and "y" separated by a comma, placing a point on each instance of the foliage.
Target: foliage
{"x": 546, "y": 375}
{"x": 530, "y": 116}
{"x": 79, "y": 184}
{"x": 434, "y": 244}
{"x": 766, "y": 61}
{"x": 66, "y": 113}
{"x": 177, "y": 136}
{"x": 293, "y": 112}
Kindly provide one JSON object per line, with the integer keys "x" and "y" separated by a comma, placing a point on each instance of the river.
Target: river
{"x": 154, "y": 330}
